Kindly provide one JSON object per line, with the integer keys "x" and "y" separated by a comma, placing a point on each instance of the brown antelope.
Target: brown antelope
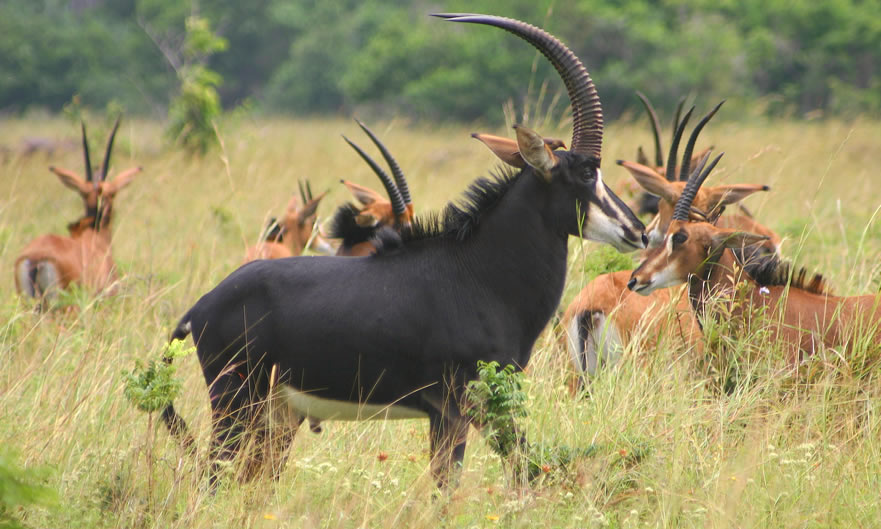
{"x": 357, "y": 227}
{"x": 51, "y": 262}
{"x": 295, "y": 231}
{"x": 606, "y": 315}
{"x": 801, "y": 314}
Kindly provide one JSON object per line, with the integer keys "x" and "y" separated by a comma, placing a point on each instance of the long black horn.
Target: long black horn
{"x": 656, "y": 127}
{"x": 683, "y": 205}
{"x": 394, "y": 195}
{"x": 679, "y": 106}
{"x": 689, "y": 147}
{"x": 88, "y": 158}
{"x": 587, "y": 113}
{"x": 397, "y": 173}
{"x": 105, "y": 166}
{"x": 303, "y": 198}
{"x": 309, "y": 194}
{"x": 674, "y": 146}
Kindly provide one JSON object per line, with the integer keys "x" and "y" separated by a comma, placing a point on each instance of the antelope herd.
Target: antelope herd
{"x": 392, "y": 326}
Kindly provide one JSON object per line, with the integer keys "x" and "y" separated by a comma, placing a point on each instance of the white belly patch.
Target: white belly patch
{"x": 308, "y": 405}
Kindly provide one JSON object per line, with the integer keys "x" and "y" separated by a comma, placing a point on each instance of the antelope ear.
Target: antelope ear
{"x": 641, "y": 158}
{"x": 72, "y": 180}
{"x": 310, "y": 208}
{"x": 505, "y": 149}
{"x": 736, "y": 239}
{"x": 121, "y": 180}
{"x": 366, "y": 220}
{"x": 535, "y": 151}
{"x": 364, "y": 195}
{"x": 651, "y": 181}
{"x": 725, "y": 195}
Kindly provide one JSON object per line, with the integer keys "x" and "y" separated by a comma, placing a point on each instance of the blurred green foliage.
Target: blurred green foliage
{"x": 312, "y": 57}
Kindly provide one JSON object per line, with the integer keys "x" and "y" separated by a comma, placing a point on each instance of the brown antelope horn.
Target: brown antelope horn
{"x": 587, "y": 113}
{"x": 88, "y": 159}
{"x": 309, "y": 194}
{"x": 656, "y": 127}
{"x": 674, "y": 146}
{"x": 683, "y": 205}
{"x": 398, "y": 206}
{"x": 397, "y": 173}
{"x": 689, "y": 147}
{"x": 105, "y": 166}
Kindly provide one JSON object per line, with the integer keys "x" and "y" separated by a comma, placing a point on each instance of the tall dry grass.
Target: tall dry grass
{"x": 672, "y": 449}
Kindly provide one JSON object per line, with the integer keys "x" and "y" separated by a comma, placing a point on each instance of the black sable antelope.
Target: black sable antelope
{"x": 398, "y": 334}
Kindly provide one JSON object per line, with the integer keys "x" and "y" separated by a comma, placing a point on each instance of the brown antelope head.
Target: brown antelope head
{"x": 51, "y": 262}
{"x": 295, "y": 231}
{"x": 298, "y": 225}
{"x": 710, "y": 200}
{"x": 96, "y": 190}
{"x": 687, "y": 247}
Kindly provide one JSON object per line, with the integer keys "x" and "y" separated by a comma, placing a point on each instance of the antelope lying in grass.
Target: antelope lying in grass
{"x": 606, "y": 315}
{"x": 800, "y": 312}
{"x": 398, "y": 334}
{"x": 357, "y": 227}
{"x": 295, "y": 231}
{"x": 51, "y": 262}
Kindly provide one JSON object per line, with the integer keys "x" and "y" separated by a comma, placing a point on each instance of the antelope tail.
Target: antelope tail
{"x": 175, "y": 423}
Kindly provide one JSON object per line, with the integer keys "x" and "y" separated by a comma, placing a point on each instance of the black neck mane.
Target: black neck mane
{"x": 458, "y": 220}
{"x": 769, "y": 270}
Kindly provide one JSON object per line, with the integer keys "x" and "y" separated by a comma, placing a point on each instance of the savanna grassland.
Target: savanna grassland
{"x": 674, "y": 444}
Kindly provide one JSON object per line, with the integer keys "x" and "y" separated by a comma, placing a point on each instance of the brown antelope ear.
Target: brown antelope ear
{"x": 72, "y": 180}
{"x": 736, "y": 239}
{"x": 310, "y": 208}
{"x": 535, "y": 151}
{"x": 641, "y": 158}
{"x": 366, "y": 220}
{"x": 725, "y": 195}
{"x": 504, "y": 148}
{"x": 364, "y": 195}
{"x": 651, "y": 181}
{"x": 120, "y": 181}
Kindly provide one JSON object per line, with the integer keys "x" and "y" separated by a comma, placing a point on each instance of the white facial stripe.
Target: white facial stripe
{"x": 308, "y": 405}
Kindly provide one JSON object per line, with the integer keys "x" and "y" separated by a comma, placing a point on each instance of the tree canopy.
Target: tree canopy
{"x": 315, "y": 57}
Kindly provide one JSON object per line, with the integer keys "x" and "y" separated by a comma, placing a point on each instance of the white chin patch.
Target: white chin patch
{"x": 664, "y": 279}
{"x": 306, "y": 404}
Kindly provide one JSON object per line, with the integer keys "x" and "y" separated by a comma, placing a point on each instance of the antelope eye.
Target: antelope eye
{"x": 589, "y": 174}
{"x": 679, "y": 237}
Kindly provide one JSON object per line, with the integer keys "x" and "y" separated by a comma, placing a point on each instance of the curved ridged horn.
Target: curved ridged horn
{"x": 656, "y": 127}
{"x": 391, "y": 189}
{"x": 689, "y": 147}
{"x": 105, "y": 165}
{"x": 397, "y": 173}
{"x": 587, "y": 114}
{"x": 683, "y": 205}
{"x": 89, "y": 175}
{"x": 674, "y": 146}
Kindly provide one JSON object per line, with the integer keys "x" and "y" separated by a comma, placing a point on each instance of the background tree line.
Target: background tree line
{"x": 317, "y": 57}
